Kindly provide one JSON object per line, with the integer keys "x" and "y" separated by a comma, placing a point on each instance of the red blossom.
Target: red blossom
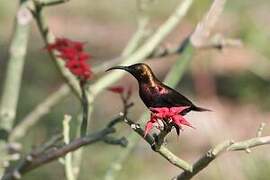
{"x": 121, "y": 90}
{"x": 170, "y": 115}
{"x": 72, "y": 52}
{"x": 116, "y": 89}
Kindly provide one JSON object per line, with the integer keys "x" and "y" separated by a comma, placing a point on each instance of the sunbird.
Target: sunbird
{"x": 156, "y": 94}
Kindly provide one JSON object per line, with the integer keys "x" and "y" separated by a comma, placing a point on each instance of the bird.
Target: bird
{"x": 154, "y": 93}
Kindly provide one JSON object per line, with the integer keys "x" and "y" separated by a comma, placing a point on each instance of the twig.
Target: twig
{"x": 85, "y": 109}
{"x": 162, "y": 51}
{"x": 53, "y": 154}
{"x": 220, "y": 42}
{"x": 205, "y": 26}
{"x": 116, "y": 141}
{"x": 260, "y": 129}
{"x": 217, "y": 150}
{"x": 160, "y": 138}
{"x": 155, "y": 143}
{"x": 161, "y": 149}
{"x": 50, "y": 2}
{"x": 243, "y": 145}
{"x": 15, "y": 173}
{"x": 78, "y": 155}
{"x": 216, "y": 42}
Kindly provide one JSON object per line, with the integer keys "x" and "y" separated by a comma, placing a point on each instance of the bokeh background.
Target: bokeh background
{"x": 233, "y": 82}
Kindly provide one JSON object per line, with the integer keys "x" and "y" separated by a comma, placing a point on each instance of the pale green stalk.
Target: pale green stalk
{"x": 17, "y": 52}
{"x": 68, "y": 157}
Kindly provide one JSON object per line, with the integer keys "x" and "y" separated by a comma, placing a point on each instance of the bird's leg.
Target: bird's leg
{"x": 160, "y": 125}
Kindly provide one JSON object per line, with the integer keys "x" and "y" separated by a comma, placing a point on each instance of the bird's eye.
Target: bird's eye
{"x": 139, "y": 68}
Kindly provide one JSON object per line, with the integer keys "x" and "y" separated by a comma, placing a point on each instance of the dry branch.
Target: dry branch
{"x": 42, "y": 155}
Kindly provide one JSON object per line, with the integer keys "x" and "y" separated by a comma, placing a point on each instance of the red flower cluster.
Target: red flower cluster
{"x": 121, "y": 90}
{"x": 171, "y": 115}
{"x": 72, "y": 52}
{"x": 116, "y": 89}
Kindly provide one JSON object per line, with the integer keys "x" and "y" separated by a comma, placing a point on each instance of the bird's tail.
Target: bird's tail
{"x": 200, "y": 109}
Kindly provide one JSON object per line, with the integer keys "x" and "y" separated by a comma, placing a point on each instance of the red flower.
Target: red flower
{"x": 72, "y": 52}
{"x": 170, "y": 115}
{"x": 121, "y": 90}
{"x": 116, "y": 89}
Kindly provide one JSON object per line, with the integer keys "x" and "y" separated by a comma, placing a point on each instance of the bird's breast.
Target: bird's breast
{"x": 152, "y": 95}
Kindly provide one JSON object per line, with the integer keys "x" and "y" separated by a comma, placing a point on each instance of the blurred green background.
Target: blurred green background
{"x": 233, "y": 82}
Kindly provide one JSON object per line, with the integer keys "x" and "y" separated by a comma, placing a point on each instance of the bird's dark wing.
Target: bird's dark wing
{"x": 174, "y": 98}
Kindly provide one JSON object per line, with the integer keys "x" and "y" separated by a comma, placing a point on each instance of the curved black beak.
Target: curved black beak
{"x": 126, "y": 68}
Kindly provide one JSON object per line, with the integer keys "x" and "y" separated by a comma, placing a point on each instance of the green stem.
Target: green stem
{"x": 68, "y": 157}
{"x": 85, "y": 109}
{"x": 15, "y": 66}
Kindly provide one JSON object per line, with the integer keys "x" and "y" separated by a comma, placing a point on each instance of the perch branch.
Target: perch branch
{"x": 205, "y": 160}
{"x": 161, "y": 149}
{"x": 156, "y": 144}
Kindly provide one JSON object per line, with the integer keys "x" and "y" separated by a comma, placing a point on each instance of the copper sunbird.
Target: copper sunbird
{"x": 154, "y": 93}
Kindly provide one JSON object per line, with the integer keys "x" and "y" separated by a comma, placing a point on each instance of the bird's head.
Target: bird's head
{"x": 142, "y": 72}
